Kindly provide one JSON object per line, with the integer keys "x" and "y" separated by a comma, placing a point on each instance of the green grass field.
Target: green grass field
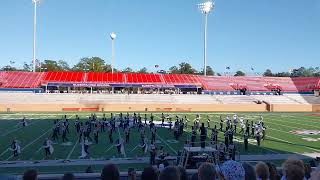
{"x": 279, "y": 138}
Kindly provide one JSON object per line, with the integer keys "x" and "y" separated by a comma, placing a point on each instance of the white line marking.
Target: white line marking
{"x": 72, "y": 150}
{"x": 14, "y": 130}
{"x": 31, "y": 143}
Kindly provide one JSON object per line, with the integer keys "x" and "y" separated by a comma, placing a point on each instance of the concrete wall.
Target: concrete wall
{"x": 135, "y": 107}
{"x": 316, "y": 108}
{"x": 161, "y": 107}
{"x": 291, "y": 108}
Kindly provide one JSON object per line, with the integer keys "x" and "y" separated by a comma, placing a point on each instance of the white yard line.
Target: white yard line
{"x": 166, "y": 144}
{"x": 35, "y": 140}
{"x": 72, "y": 150}
{"x": 317, "y": 150}
{"x": 164, "y": 140}
{"x": 275, "y": 152}
{"x": 14, "y": 130}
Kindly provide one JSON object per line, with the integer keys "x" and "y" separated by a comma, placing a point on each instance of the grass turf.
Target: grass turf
{"x": 279, "y": 139}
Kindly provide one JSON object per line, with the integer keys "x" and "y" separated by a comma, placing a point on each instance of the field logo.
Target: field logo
{"x": 305, "y": 132}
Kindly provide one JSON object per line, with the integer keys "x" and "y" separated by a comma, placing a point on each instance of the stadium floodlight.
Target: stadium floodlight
{"x": 35, "y": 2}
{"x": 205, "y": 9}
{"x": 113, "y": 37}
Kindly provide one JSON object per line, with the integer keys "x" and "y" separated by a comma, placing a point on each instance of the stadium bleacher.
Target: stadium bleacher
{"x": 18, "y": 79}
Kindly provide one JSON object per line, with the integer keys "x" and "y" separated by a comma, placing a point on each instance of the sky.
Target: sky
{"x": 275, "y": 34}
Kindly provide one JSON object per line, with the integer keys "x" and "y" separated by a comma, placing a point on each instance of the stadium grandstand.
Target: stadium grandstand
{"x": 184, "y": 83}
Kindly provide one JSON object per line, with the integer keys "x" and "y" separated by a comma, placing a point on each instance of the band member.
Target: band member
{"x": 153, "y": 134}
{"x": 48, "y": 148}
{"x": 170, "y": 123}
{"x": 66, "y": 125}
{"x": 110, "y": 134}
{"x": 145, "y": 119}
{"x": 203, "y": 136}
{"x": 127, "y": 133}
{"x": 84, "y": 147}
{"x": 226, "y": 138}
{"x": 24, "y": 122}
{"x": 252, "y": 128}
{"x": 222, "y": 152}
{"x": 96, "y": 135}
{"x": 208, "y": 121}
{"x": 153, "y": 154}
{"x": 242, "y": 125}
{"x": 214, "y": 136}
{"x": 118, "y": 145}
{"x": 235, "y": 122}
{"x": 144, "y": 146}
{"x": 221, "y": 123}
{"x": 55, "y": 131}
{"x": 232, "y": 151}
{"x": 15, "y": 147}
{"x": 245, "y": 140}
{"x": 64, "y": 133}
{"x": 258, "y": 138}
{"x": 193, "y": 137}
{"x": 77, "y": 124}
{"x": 162, "y": 119}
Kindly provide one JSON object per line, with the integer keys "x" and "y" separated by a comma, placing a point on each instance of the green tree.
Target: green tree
{"x": 93, "y": 64}
{"x": 143, "y": 70}
{"x": 210, "y": 71}
{"x": 127, "y": 70}
{"x": 108, "y": 68}
{"x": 268, "y": 73}
{"x": 240, "y": 73}
{"x": 49, "y": 65}
{"x": 27, "y": 67}
{"x": 174, "y": 70}
{"x": 63, "y": 65}
{"x": 9, "y": 68}
{"x": 186, "y": 68}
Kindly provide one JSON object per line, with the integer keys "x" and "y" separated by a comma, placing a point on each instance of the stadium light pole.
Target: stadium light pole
{"x": 35, "y": 2}
{"x": 205, "y": 9}
{"x": 113, "y": 37}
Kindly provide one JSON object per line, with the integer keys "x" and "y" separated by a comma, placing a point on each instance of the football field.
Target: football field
{"x": 296, "y": 133}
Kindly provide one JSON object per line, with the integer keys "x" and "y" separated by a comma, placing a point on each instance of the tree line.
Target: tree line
{"x": 97, "y": 64}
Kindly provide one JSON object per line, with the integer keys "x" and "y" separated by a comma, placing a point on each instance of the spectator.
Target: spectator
{"x": 262, "y": 171}
{"x": 293, "y": 169}
{"x": 68, "y": 176}
{"x": 149, "y": 173}
{"x": 315, "y": 175}
{"x": 250, "y": 173}
{"x": 274, "y": 175}
{"x": 169, "y": 173}
{"x": 194, "y": 176}
{"x": 110, "y": 172}
{"x": 131, "y": 174}
{"x": 307, "y": 169}
{"x": 231, "y": 170}
{"x": 89, "y": 169}
{"x": 183, "y": 173}
{"x": 30, "y": 174}
{"x": 206, "y": 171}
